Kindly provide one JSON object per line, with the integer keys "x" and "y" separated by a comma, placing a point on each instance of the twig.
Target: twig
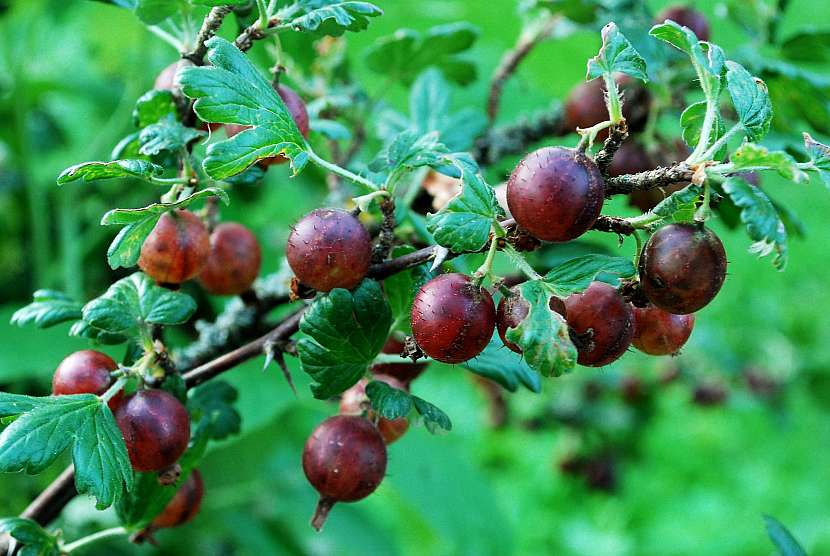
{"x": 515, "y": 138}
{"x": 210, "y": 26}
{"x": 251, "y": 33}
{"x": 659, "y": 177}
{"x": 387, "y": 230}
{"x": 613, "y": 224}
{"x": 617, "y": 133}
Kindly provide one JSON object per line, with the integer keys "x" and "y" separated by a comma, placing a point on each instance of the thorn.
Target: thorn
{"x": 440, "y": 254}
{"x": 275, "y": 353}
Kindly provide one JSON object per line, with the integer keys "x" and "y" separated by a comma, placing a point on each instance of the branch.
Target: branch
{"x": 253, "y": 32}
{"x": 659, "y": 177}
{"x": 210, "y": 26}
{"x": 516, "y": 138}
{"x": 617, "y": 133}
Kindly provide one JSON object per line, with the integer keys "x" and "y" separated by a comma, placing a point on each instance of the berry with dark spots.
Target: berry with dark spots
{"x": 556, "y": 194}
{"x": 86, "y": 372}
{"x": 177, "y": 249}
{"x": 585, "y": 105}
{"x": 234, "y": 260}
{"x": 354, "y": 401}
{"x": 405, "y": 372}
{"x": 513, "y": 309}
{"x": 452, "y": 318}
{"x": 184, "y": 505}
{"x": 344, "y": 459}
{"x": 658, "y": 332}
{"x": 156, "y": 429}
{"x": 687, "y": 17}
{"x": 329, "y": 248}
{"x": 682, "y": 268}
{"x": 604, "y": 319}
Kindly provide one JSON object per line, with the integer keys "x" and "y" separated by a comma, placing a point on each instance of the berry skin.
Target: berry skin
{"x": 602, "y": 310}
{"x": 452, "y": 318}
{"x": 658, "y": 332}
{"x": 585, "y": 105}
{"x": 687, "y": 17}
{"x": 555, "y": 193}
{"x": 682, "y": 268}
{"x": 184, "y": 505}
{"x": 156, "y": 429}
{"x": 177, "y": 249}
{"x": 329, "y": 248}
{"x": 86, "y": 372}
{"x": 512, "y": 311}
{"x": 344, "y": 459}
{"x": 234, "y": 260}
{"x": 296, "y": 107}
{"x": 404, "y": 372}
{"x": 354, "y": 401}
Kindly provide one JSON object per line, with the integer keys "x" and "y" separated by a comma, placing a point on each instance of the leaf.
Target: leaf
{"x": 781, "y": 537}
{"x": 82, "y": 329}
{"x": 48, "y": 308}
{"x": 575, "y": 275}
{"x": 131, "y": 216}
{"x": 136, "y": 300}
{"x": 809, "y": 45}
{"x": 387, "y": 401}
{"x": 543, "y": 334}
{"x": 212, "y": 407}
{"x": 465, "y": 223}
{"x": 331, "y": 129}
{"x": 750, "y": 156}
{"x": 407, "y": 53}
{"x": 90, "y": 171}
{"x": 153, "y": 106}
{"x": 691, "y": 121}
{"x": 820, "y": 156}
{"x": 36, "y": 540}
{"x": 751, "y": 100}
{"x": 503, "y": 366}
{"x": 409, "y": 151}
{"x": 46, "y": 427}
{"x": 763, "y": 225}
{"x": 152, "y": 12}
{"x": 344, "y": 332}
{"x": 166, "y": 135}
{"x": 616, "y": 55}
{"x": 400, "y": 288}
{"x": 232, "y": 91}
{"x": 679, "y": 206}
{"x": 708, "y": 58}
{"x": 435, "y": 420}
{"x": 336, "y": 18}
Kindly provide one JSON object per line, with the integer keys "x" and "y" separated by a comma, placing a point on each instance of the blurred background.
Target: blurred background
{"x": 647, "y": 456}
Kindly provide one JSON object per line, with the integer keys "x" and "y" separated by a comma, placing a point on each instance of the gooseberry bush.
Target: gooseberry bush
{"x": 378, "y": 285}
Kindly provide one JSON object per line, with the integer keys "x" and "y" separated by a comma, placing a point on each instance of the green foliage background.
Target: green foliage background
{"x": 693, "y": 480}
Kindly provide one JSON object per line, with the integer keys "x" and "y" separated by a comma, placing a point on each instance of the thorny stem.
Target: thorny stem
{"x": 613, "y": 99}
{"x": 93, "y": 538}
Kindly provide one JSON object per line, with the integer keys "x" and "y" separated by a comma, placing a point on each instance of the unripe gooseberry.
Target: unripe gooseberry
{"x": 658, "y": 332}
{"x": 603, "y": 312}
{"x": 354, "y": 401}
{"x": 156, "y": 429}
{"x": 405, "y": 372}
{"x": 329, "y": 248}
{"x": 184, "y": 505}
{"x": 344, "y": 459}
{"x": 86, "y": 372}
{"x": 513, "y": 309}
{"x": 177, "y": 249}
{"x": 555, "y": 193}
{"x": 234, "y": 260}
{"x": 682, "y": 268}
{"x": 687, "y": 17}
{"x": 452, "y": 318}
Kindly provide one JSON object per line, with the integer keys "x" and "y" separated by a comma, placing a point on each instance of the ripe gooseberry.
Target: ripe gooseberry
{"x": 555, "y": 193}
{"x": 404, "y": 372}
{"x": 354, "y": 401}
{"x": 329, "y": 248}
{"x": 156, "y": 429}
{"x": 452, "y": 318}
{"x": 687, "y": 17}
{"x": 234, "y": 260}
{"x": 682, "y": 267}
{"x": 86, "y": 372}
{"x": 585, "y": 105}
{"x": 513, "y": 309}
{"x": 344, "y": 459}
{"x": 658, "y": 332}
{"x": 184, "y": 505}
{"x": 177, "y": 249}
{"x": 601, "y": 310}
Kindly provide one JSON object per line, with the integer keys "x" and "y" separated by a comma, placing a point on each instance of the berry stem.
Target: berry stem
{"x": 370, "y": 186}
{"x": 324, "y": 506}
{"x": 117, "y": 386}
{"x": 487, "y": 266}
{"x": 93, "y": 538}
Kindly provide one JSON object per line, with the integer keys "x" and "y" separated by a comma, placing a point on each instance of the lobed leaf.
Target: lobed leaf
{"x": 387, "y": 401}
{"x": 335, "y": 19}
{"x": 750, "y": 156}
{"x": 167, "y": 134}
{"x": 575, "y": 275}
{"x": 761, "y": 219}
{"x": 213, "y": 410}
{"x": 91, "y": 171}
{"x": 503, "y": 366}
{"x": 679, "y": 206}
{"x": 616, "y": 55}
{"x": 48, "y": 308}
{"x": 820, "y": 156}
{"x": 750, "y": 99}
{"x": 153, "y": 106}
{"x": 435, "y": 420}
{"x": 36, "y": 540}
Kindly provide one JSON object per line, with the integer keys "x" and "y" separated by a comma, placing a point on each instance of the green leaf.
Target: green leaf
{"x": 543, "y": 334}
{"x": 212, "y": 407}
{"x": 575, "y": 275}
{"x": 166, "y": 135}
{"x": 708, "y": 58}
{"x": 153, "y": 106}
{"x": 48, "y": 426}
{"x": 464, "y": 224}
{"x": 131, "y": 216}
{"x": 336, "y": 18}
{"x": 90, "y": 171}
{"x": 387, "y": 401}
{"x": 134, "y": 301}
{"x": 691, "y": 121}
{"x": 751, "y": 100}
{"x": 750, "y": 156}
{"x": 82, "y": 329}
{"x": 153, "y": 12}
{"x": 48, "y": 308}
{"x": 407, "y": 53}
{"x": 820, "y": 156}
{"x": 232, "y": 91}
{"x": 616, "y": 55}
{"x": 36, "y": 540}
{"x": 809, "y": 45}
{"x": 401, "y": 288}
{"x": 344, "y": 332}
{"x": 503, "y": 366}
{"x": 435, "y": 420}
{"x": 781, "y": 537}
{"x": 679, "y": 206}
{"x": 763, "y": 225}
{"x": 409, "y": 151}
